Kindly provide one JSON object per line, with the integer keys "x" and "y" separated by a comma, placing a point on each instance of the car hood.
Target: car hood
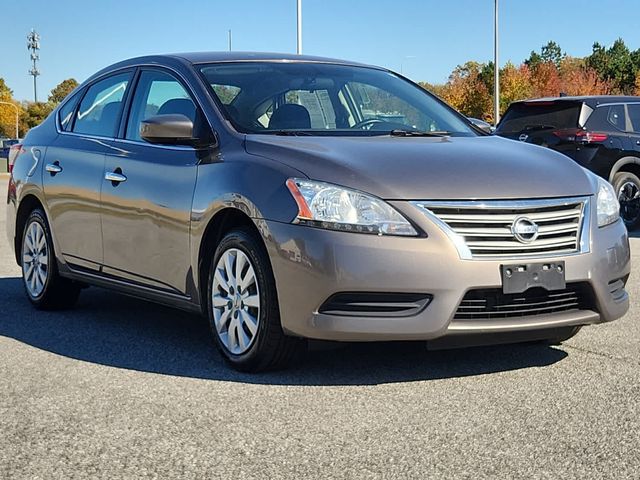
{"x": 429, "y": 168}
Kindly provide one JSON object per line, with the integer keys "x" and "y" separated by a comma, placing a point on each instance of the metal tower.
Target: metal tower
{"x": 33, "y": 44}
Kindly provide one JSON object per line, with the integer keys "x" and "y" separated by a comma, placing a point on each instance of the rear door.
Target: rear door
{"x": 633, "y": 110}
{"x": 146, "y": 217}
{"x": 74, "y": 166}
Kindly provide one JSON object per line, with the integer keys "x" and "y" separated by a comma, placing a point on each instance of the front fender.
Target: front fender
{"x": 248, "y": 183}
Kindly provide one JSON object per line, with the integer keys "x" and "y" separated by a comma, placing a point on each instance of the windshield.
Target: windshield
{"x": 326, "y": 99}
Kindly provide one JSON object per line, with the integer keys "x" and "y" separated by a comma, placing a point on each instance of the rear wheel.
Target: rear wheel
{"x": 243, "y": 306}
{"x": 45, "y": 288}
{"x": 627, "y": 186}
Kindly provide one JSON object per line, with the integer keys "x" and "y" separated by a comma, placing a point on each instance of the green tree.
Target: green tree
{"x": 61, "y": 90}
{"x": 549, "y": 53}
{"x": 616, "y": 65}
{"x": 34, "y": 114}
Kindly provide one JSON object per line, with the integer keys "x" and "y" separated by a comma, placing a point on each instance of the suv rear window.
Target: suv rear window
{"x": 521, "y": 117}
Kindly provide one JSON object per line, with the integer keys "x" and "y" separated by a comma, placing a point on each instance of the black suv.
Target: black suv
{"x": 600, "y": 133}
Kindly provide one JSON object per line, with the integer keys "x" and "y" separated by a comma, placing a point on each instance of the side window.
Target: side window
{"x": 226, "y": 93}
{"x": 607, "y": 118}
{"x": 634, "y": 116}
{"x": 65, "y": 113}
{"x": 158, "y": 93}
{"x": 99, "y": 111}
{"x": 616, "y": 117}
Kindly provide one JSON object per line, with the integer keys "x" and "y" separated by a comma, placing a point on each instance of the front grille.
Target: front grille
{"x": 484, "y": 229}
{"x": 493, "y": 303}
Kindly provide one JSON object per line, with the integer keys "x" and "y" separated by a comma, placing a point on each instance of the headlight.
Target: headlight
{"x": 337, "y": 208}
{"x": 607, "y": 205}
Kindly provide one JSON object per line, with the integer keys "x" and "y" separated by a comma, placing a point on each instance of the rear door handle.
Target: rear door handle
{"x": 53, "y": 168}
{"x": 115, "y": 177}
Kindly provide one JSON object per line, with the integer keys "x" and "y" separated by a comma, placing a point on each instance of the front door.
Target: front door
{"x": 146, "y": 211}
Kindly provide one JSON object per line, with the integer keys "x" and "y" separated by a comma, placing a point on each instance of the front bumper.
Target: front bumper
{"x": 310, "y": 265}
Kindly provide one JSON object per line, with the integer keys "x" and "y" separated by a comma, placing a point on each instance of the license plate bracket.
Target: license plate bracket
{"x": 519, "y": 277}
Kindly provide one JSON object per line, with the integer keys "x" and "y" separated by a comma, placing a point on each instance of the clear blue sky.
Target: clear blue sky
{"x": 428, "y": 38}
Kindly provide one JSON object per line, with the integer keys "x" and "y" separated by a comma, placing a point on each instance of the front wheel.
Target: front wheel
{"x": 243, "y": 306}
{"x": 627, "y": 186}
{"x": 45, "y": 288}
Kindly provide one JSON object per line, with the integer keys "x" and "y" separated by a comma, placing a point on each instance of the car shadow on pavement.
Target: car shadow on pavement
{"x": 117, "y": 331}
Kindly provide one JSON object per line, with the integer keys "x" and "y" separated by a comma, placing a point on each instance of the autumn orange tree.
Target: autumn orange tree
{"x": 7, "y": 112}
{"x": 547, "y": 73}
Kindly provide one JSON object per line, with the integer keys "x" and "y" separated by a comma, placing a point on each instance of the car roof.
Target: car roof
{"x": 206, "y": 57}
{"x": 195, "y": 58}
{"x": 588, "y": 99}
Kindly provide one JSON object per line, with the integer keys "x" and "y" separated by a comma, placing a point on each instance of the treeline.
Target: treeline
{"x": 547, "y": 73}
{"x": 30, "y": 113}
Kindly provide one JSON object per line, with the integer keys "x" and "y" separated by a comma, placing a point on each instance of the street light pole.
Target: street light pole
{"x": 17, "y": 115}
{"x": 496, "y": 69}
{"x": 229, "y": 40}
{"x": 299, "y": 29}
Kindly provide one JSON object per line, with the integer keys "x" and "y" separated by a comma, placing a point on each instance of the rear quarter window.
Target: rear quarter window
{"x": 65, "y": 113}
{"x": 529, "y": 116}
{"x": 608, "y": 118}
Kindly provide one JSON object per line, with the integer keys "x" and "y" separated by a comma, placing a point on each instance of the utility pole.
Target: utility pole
{"x": 299, "y": 23}
{"x": 496, "y": 69}
{"x": 17, "y": 114}
{"x": 229, "y": 39}
{"x": 33, "y": 44}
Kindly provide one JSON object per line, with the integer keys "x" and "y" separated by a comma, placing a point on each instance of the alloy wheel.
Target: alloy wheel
{"x": 35, "y": 260}
{"x": 236, "y": 301}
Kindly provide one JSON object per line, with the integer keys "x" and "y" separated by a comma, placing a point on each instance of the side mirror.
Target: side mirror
{"x": 173, "y": 129}
{"x": 481, "y": 124}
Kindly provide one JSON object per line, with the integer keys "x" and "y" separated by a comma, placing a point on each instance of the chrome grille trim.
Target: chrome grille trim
{"x": 481, "y": 230}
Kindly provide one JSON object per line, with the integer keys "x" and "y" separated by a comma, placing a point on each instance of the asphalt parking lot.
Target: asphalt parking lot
{"x": 120, "y": 388}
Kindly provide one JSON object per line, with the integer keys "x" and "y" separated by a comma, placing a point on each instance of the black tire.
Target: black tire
{"x": 627, "y": 186}
{"x": 58, "y": 293}
{"x": 562, "y": 335}
{"x": 270, "y": 349}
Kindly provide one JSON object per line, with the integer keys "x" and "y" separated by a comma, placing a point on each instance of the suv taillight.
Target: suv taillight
{"x": 580, "y": 136}
{"x": 14, "y": 151}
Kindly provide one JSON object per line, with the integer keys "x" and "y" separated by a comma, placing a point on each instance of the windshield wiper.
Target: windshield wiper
{"x": 417, "y": 133}
{"x": 289, "y": 133}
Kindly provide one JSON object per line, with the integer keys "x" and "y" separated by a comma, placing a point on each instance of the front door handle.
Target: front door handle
{"x": 115, "y": 177}
{"x": 53, "y": 168}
